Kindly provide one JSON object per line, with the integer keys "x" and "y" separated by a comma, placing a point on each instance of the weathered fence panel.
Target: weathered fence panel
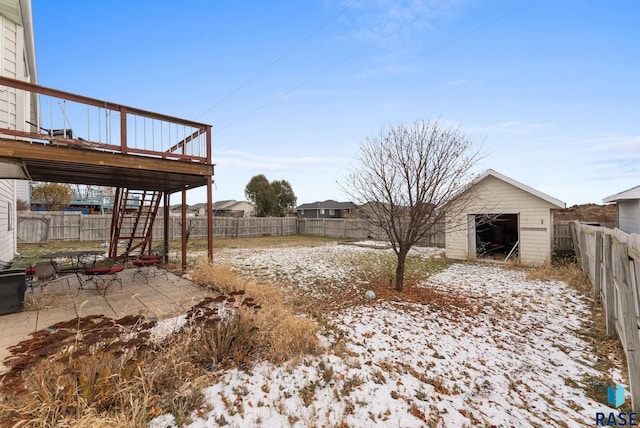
{"x": 610, "y": 258}
{"x": 562, "y": 240}
{"x": 33, "y": 229}
{"x": 63, "y": 226}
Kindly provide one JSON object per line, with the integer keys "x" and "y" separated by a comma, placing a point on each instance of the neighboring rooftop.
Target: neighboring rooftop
{"x": 629, "y": 194}
{"x": 328, "y": 204}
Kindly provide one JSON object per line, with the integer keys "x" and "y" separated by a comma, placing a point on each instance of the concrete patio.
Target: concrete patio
{"x": 61, "y": 300}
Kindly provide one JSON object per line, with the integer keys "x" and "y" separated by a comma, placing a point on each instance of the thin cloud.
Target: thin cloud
{"x": 249, "y": 162}
{"x": 460, "y": 82}
{"x": 394, "y": 22}
{"x": 512, "y": 127}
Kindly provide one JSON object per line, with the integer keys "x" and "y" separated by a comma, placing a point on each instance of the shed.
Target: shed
{"x": 628, "y": 203}
{"x": 501, "y": 217}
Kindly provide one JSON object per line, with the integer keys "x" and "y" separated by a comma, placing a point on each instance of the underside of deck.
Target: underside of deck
{"x": 65, "y": 164}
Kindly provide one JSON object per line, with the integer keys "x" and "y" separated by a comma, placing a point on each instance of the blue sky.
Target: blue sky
{"x": 548, "y": 89}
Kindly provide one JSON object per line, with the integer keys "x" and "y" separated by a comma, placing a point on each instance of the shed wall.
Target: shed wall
{"x": 494, "y": 196}
{"x": 629, "y": 216}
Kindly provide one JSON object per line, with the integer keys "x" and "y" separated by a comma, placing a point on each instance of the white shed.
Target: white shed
{"x": 501, "y": 217}
{"x": 628, "y": 203}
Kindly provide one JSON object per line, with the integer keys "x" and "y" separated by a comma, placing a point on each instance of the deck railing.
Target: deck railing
{"x": 75, "y": 120}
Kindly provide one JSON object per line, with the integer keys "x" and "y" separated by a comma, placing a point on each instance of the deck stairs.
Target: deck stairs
{"x": 134, "y": 212}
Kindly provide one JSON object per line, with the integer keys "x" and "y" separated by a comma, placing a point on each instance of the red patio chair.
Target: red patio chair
{"x": 147, "y": 261}
{"x": 97, "y": 273}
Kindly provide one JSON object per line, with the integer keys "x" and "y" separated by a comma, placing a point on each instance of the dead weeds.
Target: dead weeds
{"x": 96, "y": 371}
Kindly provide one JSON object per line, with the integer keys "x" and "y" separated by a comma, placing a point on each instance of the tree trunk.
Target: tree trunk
{"x": 400, "y": 270}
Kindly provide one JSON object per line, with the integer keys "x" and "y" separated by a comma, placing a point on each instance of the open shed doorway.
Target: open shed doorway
{"x": 496, "y": 236}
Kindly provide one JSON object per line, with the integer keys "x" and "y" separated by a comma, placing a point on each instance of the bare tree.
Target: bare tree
{"x": 405, "y": 176}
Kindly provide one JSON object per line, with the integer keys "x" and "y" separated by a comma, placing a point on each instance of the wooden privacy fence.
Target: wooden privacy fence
{"x": 352, "y": 229}
{"x": 562, "y": 238}
{"x": 611, "y": 260}
{"x": 43, "y": 227}
{"x": 34, "y": 227}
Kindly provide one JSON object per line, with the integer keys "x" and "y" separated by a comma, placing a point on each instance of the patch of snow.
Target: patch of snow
{"x": 513, "y": 358}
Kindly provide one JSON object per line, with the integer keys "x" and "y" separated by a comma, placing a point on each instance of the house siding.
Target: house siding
{"x": 7, "y": 234}
{"x": 495, "y": 196}
{"x": 14, "y": 112}
{"x": 629, "y": 215}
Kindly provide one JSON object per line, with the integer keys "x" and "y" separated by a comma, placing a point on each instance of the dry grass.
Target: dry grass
{"x": 589, "y": 212}
{"x": 280, "y": 333}
{"x": 95, "y": 371}
{"x": 561, "y": 270}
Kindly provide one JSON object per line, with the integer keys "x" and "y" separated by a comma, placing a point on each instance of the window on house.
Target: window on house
{"x": 332, "y": 212}
{"x": 321, "y": 211}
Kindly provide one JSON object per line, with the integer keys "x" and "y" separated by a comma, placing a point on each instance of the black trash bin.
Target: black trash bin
{"x": 12, "y": 289}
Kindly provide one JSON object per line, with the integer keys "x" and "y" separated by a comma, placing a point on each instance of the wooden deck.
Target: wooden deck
{"x": 61, "y": 301}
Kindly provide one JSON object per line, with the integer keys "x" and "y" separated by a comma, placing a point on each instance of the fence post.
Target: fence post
{"x": 82, "y": 226}
{"x": 584, "y": 258}
{"x": 597, "y": 270}
{"x": 573, "y": 227}
{"x": 609, "y": 292}
{"x": 628, "y": 319}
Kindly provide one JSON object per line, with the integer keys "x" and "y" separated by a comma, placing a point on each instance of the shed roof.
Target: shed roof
{"x": 629, "y": 194}
{"x": 490, "y": 172}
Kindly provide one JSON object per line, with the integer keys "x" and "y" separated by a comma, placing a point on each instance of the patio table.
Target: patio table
{"x": 76, "y": 260}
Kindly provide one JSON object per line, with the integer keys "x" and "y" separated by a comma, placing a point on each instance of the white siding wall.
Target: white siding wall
{"x": 629, "y": 216}
{"x": 23, "y": 190}
{"x": 7, "y": 220}
{"x": 12, "y": 114}
{"x": 8, "y": 59}
{"x": 495, "y": 196}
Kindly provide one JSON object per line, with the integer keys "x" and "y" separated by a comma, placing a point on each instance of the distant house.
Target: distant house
{"x": 628, "y": 203}
{"x": 522, "y": 220}
{"x": 229, "y": 208}
{"x": 327, "y": 209}
{"x": 232, "y": 208}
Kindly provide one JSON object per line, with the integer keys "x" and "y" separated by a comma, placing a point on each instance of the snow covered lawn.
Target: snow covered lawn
{"x": 482, "y": 347}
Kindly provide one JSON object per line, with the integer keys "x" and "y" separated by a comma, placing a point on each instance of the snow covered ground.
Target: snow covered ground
{"x": 490, "y": 348}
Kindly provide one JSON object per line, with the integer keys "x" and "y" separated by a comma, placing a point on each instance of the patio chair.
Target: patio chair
{"x": 147, "y": 261}
{"x": 98, "y": 273}
{"x": 43, "y": 273}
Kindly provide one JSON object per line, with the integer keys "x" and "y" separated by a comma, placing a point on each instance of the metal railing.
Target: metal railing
{"x": 76, "y": 120}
